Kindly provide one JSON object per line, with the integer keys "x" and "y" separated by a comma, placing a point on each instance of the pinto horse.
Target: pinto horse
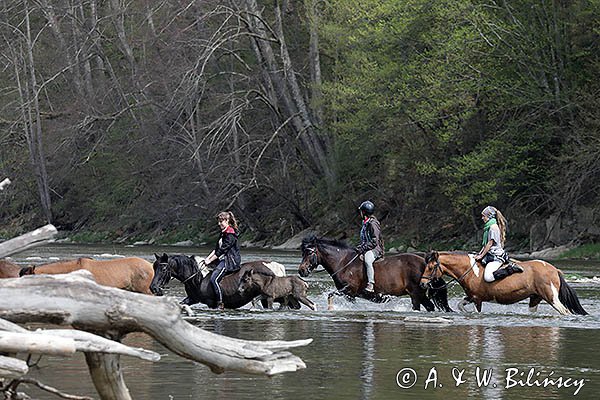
{"x": 8, "y": 269}
{"x": 131, "y": 273}
{"x": 395, "y": 275}
{"x": 195, "y": 276}
{"x": 538, "y": 281}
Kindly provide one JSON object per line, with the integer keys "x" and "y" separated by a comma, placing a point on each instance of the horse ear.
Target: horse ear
{"x": 436, "y": 255}
{"x": 157, "y": 256}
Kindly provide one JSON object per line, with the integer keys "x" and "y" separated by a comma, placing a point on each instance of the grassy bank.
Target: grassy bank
{"x": 590, "y": 251}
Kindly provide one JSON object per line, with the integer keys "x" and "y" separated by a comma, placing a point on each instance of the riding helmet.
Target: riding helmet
{"x": 367, "y": 207}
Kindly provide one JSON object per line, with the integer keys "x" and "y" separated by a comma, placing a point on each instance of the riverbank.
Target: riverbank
{"x": 589, "y": 251}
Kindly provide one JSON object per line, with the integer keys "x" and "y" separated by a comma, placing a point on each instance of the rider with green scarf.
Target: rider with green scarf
{"x": 492, "y": 254}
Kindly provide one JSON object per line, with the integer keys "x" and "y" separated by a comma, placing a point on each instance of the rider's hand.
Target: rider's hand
{"x": 478, "y": 257}
{"x": 362, "y": 257}
{"x": 206, "y": 261}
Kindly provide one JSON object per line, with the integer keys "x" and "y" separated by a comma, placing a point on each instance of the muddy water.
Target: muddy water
{"x": 363, "y": 350}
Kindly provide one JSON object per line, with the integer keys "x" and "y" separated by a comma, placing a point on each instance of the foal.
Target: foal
{"x": 274, "y": 287}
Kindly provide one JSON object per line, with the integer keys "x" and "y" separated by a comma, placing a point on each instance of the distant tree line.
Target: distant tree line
{"x": 146, "y": 118}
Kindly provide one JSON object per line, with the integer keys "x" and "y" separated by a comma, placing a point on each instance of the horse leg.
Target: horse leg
{"x": 428, "y": 304}
{"x": 534, "y": 301}
{"x": 330, "y": 301}
{"x": 304, "y": 300}
{"x": 551, "y": 296}
{"x": 270, "y": 303}
{"x": 478, "y": 305}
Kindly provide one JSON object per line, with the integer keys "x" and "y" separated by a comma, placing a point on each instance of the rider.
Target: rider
{"x": 492, "y": 254}
{"x": 227, "y": 251}
{"x": 371, "y": 243}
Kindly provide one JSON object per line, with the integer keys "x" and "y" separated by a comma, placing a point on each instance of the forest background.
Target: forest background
{"x": 137, "y": 120}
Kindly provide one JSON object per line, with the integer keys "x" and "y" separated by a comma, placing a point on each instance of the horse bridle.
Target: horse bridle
{"x": 313, "y": 258}
{"x": 446, "y": 285}
{"x": 165, "y": 265}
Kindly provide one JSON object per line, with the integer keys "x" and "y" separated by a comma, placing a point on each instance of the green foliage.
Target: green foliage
{"x": 583, "y": 252}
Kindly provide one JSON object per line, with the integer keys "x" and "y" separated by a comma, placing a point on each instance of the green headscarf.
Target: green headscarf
{"x": 486, "y": 229}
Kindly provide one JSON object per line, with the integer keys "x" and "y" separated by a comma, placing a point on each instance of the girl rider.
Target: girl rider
{"x": 371, "y": 244}
{"x": 227, "y": 251}
{"x": 492, "y": 254}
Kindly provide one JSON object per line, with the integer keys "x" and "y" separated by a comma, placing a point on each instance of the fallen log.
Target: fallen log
{"x": 12, "y": 367}
{"x": 76, "y": 300}
{"x": 20, "y": 243}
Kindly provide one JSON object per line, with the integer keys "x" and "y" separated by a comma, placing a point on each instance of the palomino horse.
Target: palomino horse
{"x": 195, "y": 276}
{"x": 538, "y": 281}
{"x": 395, "y": 275}
{"x": 8, "y": 269}
{"x": 131, "y": 273}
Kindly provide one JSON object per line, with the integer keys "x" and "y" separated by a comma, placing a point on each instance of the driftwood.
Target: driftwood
{"x": 35, "y": 238}
{"x": 76, "y": 300}
{"x": 4, "y": 183}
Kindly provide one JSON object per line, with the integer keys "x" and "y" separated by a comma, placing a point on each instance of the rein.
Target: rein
{"x": 345, "y": 266}
{"x": 454, "y": 281}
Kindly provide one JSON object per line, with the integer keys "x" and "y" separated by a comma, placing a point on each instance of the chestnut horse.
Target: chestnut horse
{"x": 395, "y": 275}
{"x": 195, "y": 276}
{"x": 8, "y": 269}
{"x": 131, "y": 273}
{"x": 539, "y": 281}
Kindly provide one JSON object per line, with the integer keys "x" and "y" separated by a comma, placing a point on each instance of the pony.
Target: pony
{"x": 395, "y": 275}
{"x": 276, "y": 287}
{"x": 539, "y": 281}
{"x": 131, "y": 273}
{"x": 195, "y": 276}
{"x": 8, "y": 269}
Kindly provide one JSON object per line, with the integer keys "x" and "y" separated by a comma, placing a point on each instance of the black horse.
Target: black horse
{"x": 196, "y": 280}
{"x": 395, "y": 275}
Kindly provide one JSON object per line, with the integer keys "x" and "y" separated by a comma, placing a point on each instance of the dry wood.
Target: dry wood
{"x": 75, "y": 300}
{"x": 12, "y": 367}
{"x": 20, "y": 243}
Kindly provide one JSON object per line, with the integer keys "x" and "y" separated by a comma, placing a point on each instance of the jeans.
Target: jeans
{"x": 216, "y": 277}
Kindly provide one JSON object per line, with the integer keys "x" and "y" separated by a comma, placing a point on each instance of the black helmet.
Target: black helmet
{"x": 367, "y": 207}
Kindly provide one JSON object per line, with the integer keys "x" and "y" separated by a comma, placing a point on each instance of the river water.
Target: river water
{"x": 363, "y": 350}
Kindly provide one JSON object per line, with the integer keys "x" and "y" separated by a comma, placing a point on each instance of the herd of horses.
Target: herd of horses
{"x": 418, "y": 276}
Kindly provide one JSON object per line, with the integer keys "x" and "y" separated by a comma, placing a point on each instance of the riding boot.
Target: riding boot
{"x": 369, "y": 287}
{"x": 506, "y": 271}
{"x": 221, "y": 306}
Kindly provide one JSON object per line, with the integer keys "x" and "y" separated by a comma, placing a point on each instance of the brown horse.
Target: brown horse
{"x": 538, "y": 281}
{"x": 130, "y": 273}
{"x": 395, "y": 275}
{"x": 8, "y": 269}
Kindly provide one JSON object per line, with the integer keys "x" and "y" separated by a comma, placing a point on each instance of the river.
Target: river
{"x": 364, "y": 350}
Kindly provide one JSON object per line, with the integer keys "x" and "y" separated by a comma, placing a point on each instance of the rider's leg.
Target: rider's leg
{"x": 490, "y": 268}
{"x": 369, "y": 259}
{"x": 215, "y": 278}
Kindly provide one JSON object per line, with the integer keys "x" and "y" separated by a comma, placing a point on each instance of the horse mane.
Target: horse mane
{"x": 314, "y": 240}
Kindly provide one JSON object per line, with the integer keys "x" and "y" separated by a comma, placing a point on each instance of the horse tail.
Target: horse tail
{"x": 438, "y": 293}
{"x": 568, "y": 297}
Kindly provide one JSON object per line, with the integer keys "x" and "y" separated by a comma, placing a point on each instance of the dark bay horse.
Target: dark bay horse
{"x": 395, "y": 275}
{"x": 195, "y": 277}
{"x": 8, "y": 269}
{"x": 539, "y": 281}
{"x": 130, "y": 273}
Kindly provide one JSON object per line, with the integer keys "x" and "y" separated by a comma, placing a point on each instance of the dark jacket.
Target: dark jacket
{"x": 228, "y": 249}
{"x": 370, "y": 237}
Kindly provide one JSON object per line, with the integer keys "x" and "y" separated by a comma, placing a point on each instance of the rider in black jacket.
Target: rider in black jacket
{"x": 227, "y": 251}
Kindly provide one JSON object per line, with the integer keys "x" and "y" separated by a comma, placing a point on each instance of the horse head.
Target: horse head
{"x": 433, "y": 269}
{"x": 162, "y": 274}
{"x": 310, "y": 256}
{"x": 246, "y": 281}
